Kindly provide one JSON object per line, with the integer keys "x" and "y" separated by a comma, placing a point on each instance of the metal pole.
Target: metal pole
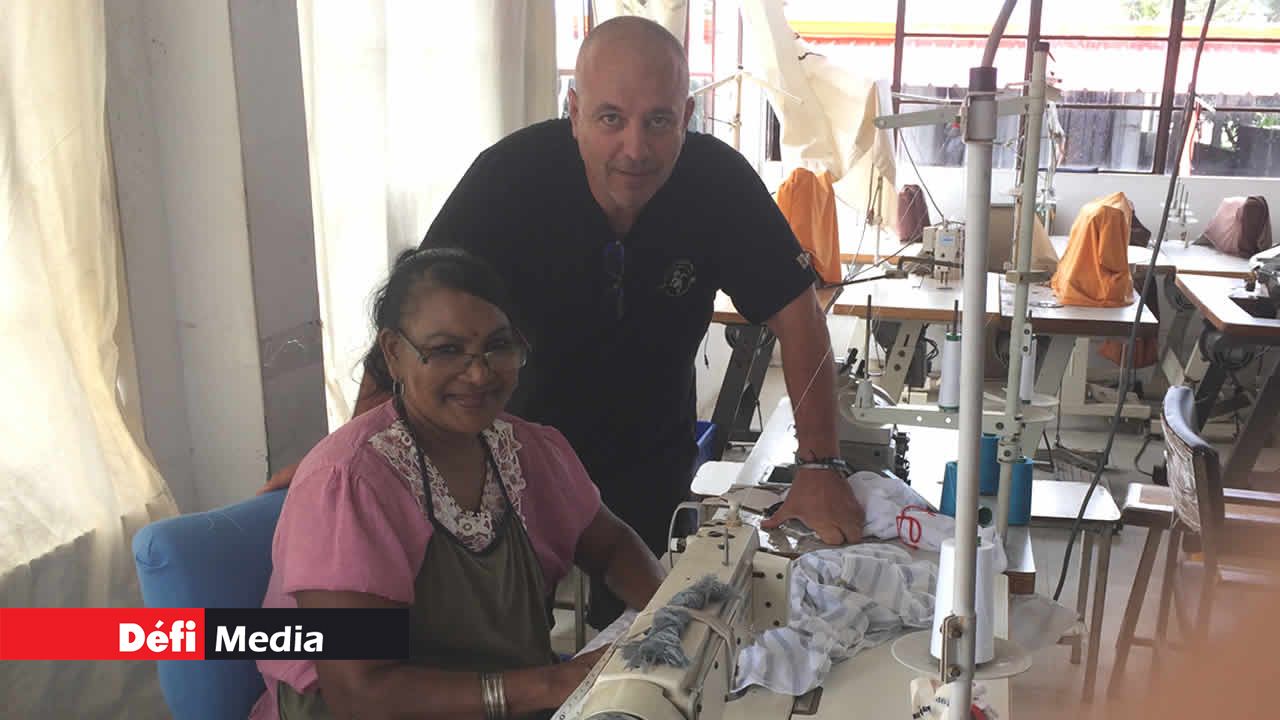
{"x": 1019, "y": 333}
{"x": 980, "y": 132}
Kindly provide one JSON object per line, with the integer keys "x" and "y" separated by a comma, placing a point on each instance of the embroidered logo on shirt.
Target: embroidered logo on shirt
{"x": 679, "y": 278}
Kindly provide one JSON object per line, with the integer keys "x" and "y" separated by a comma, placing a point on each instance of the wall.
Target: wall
{"x": 277, "y": 188}
{"x": 206, "y": 117}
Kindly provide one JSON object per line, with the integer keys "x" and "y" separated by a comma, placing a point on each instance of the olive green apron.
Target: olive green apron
{"x": 471, "y": 612}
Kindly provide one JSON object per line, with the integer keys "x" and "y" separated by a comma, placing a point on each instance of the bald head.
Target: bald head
{"x": 637, "y": 42}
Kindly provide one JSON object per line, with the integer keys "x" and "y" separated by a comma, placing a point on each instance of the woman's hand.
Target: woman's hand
{"x": 567, "y": 676}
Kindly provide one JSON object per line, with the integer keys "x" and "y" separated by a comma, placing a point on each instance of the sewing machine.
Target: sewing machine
{"x": 945, "y": 244}
{"x": 728, "y": 550}
{"x": 1266, "y": 270}
{"x": 871, "y": 685}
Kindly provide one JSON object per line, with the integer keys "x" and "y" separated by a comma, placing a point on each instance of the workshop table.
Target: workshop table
{"x": 1213, "y": 297}
{"x": 1067, "y": 329}
{"x": 914, "y": 302}
{"x": 1203, "y": 260}
{"x": 1194, "y": 260}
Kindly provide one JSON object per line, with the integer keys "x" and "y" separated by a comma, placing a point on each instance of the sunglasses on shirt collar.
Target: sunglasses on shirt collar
{"x": 615, "y": 264}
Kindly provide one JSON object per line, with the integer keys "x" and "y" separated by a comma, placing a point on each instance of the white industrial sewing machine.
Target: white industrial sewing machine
{"x": 944, "y": 243}
{"x": 871, "y": 685}
{"x": 712, "y": 640}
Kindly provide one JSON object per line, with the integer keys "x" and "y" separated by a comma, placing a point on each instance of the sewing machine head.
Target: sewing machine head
{"x": 945, "y": 244}
{"x": 1266, "y": 269}
{"x": 711, "y": 641}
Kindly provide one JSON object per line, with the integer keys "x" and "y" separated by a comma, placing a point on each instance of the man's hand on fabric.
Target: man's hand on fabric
{"x": 824, "y": 501}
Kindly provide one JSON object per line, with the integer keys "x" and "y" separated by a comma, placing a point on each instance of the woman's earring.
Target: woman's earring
{"x": 397, "y": 388}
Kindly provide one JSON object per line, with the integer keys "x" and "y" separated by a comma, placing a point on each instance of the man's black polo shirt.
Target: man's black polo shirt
{"x": 620, "y": 389}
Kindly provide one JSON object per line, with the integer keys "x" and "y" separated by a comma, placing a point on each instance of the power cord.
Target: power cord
{"x": 1126, "y": 372}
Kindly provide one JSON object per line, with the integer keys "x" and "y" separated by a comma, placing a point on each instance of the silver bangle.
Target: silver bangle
{"x": 494, "y": 696}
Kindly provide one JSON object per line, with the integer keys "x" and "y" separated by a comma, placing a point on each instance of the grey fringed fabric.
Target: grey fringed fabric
{"x": 661, "y": 645}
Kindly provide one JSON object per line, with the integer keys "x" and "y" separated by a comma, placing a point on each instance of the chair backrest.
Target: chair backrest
{"x": 219, "y": 558}
{"x": 1194, "y": 472}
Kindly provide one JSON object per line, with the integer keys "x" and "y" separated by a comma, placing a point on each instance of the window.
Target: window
{"x": 705, "y": 44}
{"x": 1237, "y": 118}
{"x": 571, "y": 28}
{"x": 1122, "y": 65}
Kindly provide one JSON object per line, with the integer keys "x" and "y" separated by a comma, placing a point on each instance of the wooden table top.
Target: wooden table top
{"x": 1213, "y": 296}
{"x": 724, "y": 312}
{"x": 1076, "y": 319}
{"x": 1138, "y": 256}
{"x": 912, "y": 298}
{"x": 1204, "y": 260}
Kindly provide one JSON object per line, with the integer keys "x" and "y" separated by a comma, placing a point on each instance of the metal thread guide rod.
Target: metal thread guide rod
{"x": 1010, "y": 444}
{"x": 979, "y": 113}
{"x": 865, "y": 395}
{"x": 980, "y": 133}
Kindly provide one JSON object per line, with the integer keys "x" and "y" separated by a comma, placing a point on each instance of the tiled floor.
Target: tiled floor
{"x": 1052, "y": 688}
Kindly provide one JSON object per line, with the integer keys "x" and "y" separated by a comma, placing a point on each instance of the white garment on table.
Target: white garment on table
{"x": 897, "y": 512}
{"x": 842, "y": 601}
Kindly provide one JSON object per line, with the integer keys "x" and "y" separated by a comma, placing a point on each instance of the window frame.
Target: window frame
{"x": 1164, "y": 109}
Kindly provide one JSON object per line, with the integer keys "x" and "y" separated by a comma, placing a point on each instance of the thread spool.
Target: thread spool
{"x": 947, "y": 506}
{"x": 949, "y": 390}
{"x": 989, "y": 466}
{"x": 1020, "y": 492}
{"x": 984, "y": 599}
{"x": 1027, "y": 384}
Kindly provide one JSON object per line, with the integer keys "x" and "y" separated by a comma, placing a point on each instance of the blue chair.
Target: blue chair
{"x": 219, "y": 558}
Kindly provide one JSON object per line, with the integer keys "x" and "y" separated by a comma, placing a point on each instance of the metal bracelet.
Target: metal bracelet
{"x": 837, "y": 464}
{"x": 494, "y": 696}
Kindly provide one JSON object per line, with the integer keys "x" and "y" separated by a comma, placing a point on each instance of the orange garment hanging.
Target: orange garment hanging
{"x": 809, "y": 204}
{"x": 1094, "y": 270}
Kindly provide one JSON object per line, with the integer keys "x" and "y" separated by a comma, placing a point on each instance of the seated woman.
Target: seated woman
{"x": 438, "y": 501}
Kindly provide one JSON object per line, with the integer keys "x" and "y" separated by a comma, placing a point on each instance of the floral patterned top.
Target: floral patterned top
{"x": 474, "y": 529}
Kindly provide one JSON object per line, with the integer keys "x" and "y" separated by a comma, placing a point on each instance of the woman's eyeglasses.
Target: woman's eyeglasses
{"x": 507, "y": 355}
{"x": 615, "y": 264}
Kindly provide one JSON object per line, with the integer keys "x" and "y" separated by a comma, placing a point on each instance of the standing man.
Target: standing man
{"x": 615, "y": 229}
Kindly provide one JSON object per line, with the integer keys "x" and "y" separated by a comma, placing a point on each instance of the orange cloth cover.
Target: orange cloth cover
{"x": 1094, "y": 270}
{"x": 809, "y": 204}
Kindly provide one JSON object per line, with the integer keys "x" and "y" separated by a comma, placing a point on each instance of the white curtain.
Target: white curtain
{"x": 828, "y": 124}
{"x": 670, "y": 14}
{"x": 75, "y": 481}
{"x": 401, "y": 95}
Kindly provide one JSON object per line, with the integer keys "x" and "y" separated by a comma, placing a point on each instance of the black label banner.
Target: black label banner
{"x": 310, "y": 634}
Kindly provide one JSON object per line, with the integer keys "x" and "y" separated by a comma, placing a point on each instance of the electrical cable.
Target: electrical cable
{"x": 933, "y": 348}
{"x": 1127, "y": 370}
{"x": 1053, "y": 467}
{"x": 1145, "y": 442}
{"x": 906, "y": 148}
